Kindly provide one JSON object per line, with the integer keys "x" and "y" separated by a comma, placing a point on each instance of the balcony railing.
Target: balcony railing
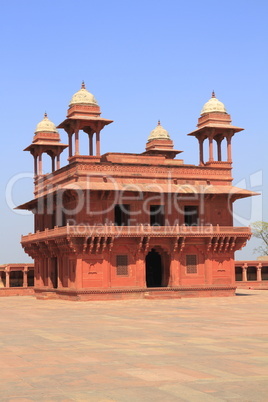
{"x": 137, "y": 231}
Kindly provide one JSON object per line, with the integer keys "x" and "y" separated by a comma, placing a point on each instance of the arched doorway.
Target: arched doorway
{"x": 153, "y": 269}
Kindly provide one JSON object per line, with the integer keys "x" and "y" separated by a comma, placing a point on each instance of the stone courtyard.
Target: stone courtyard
{"x": 205, "y": 349}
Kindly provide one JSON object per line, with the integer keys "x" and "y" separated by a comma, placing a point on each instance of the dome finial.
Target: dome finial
{"x": 159, "y": 133}
{"x": 213, "y": 105}
{"x": 83, "y": 97}
{"x": 46, "y": 126}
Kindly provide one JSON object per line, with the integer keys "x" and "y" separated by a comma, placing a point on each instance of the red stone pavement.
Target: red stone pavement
{"x": 208, "y": 349}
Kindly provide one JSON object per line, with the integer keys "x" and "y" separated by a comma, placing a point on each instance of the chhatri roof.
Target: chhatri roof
{"x": 46, "y": 126}
{"x": 213, "y": 105}
{"x": 159, "y": 133}
{"x": 83, "y": 97}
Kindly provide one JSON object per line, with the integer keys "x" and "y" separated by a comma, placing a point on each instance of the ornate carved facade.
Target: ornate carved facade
{"x": 133, "y": 225}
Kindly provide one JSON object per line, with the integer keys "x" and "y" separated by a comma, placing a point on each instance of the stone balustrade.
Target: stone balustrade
{"x": 137, "y": 231}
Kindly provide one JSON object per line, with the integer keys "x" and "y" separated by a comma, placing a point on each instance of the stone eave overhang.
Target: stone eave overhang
{"x": 50, "y": 144}
{"x": 215, "y": 126}
{"x": 83, "y": 118}
{"x": 178, "y": 190}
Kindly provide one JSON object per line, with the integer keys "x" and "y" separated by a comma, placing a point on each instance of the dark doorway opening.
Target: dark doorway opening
{"x": 54, "y": 272}
{"x": 238, "y": 274}
{"x": 264, "y": 274}
{"x": 252, "y": 273}
{"x": 30, "y": 277}
{"x": 153, "y": 270}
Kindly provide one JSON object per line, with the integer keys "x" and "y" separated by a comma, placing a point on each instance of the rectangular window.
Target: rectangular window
{"x": 191, "y": 264}
{"x": 191, "y": 215}
{"x": 122, "y": 214}
{"x": 157, "y": 216}
{"x": 122, "y": 265}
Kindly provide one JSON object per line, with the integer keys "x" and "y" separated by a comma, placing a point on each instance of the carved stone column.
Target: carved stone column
{"x": 7, "y": 279}
{"x": 25, "y": 278}
{"x": 259, "y": 266}
{"x": 244, "y": 273}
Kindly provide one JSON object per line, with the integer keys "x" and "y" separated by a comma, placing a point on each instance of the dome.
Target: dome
{"x": 159, "y": 133}
{"x": 46, "y": 126}
{"x": 83, "y": 97}
{"x": 213, "y": 105}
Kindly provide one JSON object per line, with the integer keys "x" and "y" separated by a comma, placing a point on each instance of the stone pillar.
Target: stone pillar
{"x": 77, "y": 142}
{"x": 70, "y": 135}
{"x": 211, "y": 159}
{"x": 53, "y": 163}
{"x": 201, "y": 151}
{"x": 244, "y": 273}
{"x": 58, "y": 161}
{"x": 35, "y": 165}
{"x": 7, "y": 279}
{"x": 39, "y": 273}
{"x": 259, "y": 266}
{"x": 229, "y": 149}
{"x": 40, "y": 165}
{"x": 60, "y": 272}
{"x": 37, "y": 277}
{"x": 98, "y": 143}
{"x": 219, "y": 149}
{"x": 25, "y": 278}
{"x": 90, "y": 139}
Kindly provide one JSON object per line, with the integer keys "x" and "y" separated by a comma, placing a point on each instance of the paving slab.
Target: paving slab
{"x": 207, "y": 349}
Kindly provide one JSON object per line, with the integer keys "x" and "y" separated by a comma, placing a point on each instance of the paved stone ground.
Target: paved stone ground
{"x": 208, "y": 349}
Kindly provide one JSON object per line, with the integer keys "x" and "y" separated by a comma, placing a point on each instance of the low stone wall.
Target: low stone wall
{"x": 252, "y": 285}
{"x": 139, "y": 293}
{"x": 16, "y": 291}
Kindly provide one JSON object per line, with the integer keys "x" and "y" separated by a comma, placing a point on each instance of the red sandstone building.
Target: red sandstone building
{"x": 16, "y": 279}
{"x": 133, "y": 225}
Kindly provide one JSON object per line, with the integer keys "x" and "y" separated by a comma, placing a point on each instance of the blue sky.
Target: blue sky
{"x": 143, "y": 61}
